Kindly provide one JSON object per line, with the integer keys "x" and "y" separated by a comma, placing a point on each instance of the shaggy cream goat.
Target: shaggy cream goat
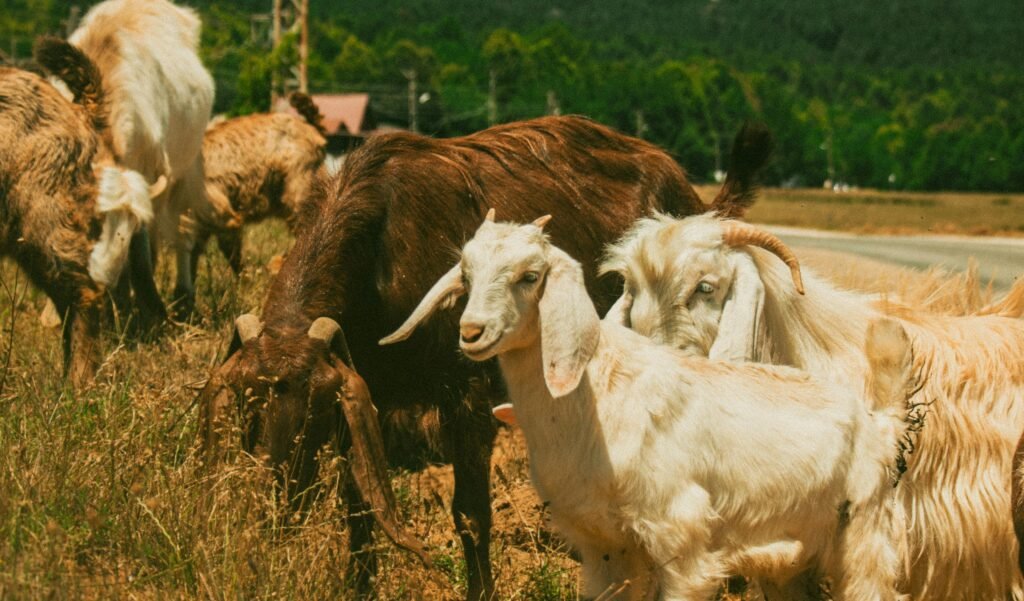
{"x": 159, "y": 97}
{"x": 705, "y": 285}
{"x": 668, "y": 472}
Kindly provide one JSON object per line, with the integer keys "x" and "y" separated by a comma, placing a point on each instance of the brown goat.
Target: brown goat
{"x": 257, "y": 166}
{"x": 371, "y": 244}
{"x": 68, "y": 210}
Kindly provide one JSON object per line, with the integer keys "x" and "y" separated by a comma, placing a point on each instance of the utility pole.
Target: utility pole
{"x": 492, "y": 98}
{"x": 410, "y": 74}
{"x": 641, "y": 123}
{"x": 553, "y": 107}
{"x": 275, "y": 74}
{"x": 72, "y": 21}
{"x": 303, "y": 9}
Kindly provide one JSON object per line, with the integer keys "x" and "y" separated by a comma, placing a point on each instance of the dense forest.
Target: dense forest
{"x": 908, "y": 94}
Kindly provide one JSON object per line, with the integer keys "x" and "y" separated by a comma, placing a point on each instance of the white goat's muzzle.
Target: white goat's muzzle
{"x": 124, "y": 202}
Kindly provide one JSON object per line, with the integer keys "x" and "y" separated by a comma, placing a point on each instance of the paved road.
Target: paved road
{"x": 998, "y": 258}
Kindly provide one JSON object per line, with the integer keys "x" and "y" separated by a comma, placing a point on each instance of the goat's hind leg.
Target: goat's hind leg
{"x": 868, "y": 561}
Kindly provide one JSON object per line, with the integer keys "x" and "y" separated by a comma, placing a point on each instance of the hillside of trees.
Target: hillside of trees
{"x": 906, "y": 94}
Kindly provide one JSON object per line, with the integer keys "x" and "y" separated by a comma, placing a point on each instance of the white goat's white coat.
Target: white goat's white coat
{"x": 960, "y": 544}
{"x": 124, "y": 202}
{"x": 676, "y": 470}
{"x": 160, "y": 98}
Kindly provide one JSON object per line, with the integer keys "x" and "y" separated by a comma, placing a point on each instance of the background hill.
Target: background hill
{"x": 908, "y": 94}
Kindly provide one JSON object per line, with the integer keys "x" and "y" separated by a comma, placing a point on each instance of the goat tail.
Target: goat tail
{"x": 750, "y": 152}
{"x": 307, "y": 108}
{"x": 74, "y": 68}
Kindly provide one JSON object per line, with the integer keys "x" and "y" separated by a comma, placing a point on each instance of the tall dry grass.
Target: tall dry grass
{"x": 101, "y": 495}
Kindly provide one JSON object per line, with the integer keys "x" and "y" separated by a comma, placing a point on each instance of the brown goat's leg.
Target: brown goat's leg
{"x": 151, "y": 306}
{"x": 362, "y": 560}
{"x": 469, "y": 440}
{"x": 81, "y": 332}
{"x": 230, "y": 244}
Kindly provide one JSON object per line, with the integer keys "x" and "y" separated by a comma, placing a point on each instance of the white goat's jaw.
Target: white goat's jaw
{"x": 480, "y": 351}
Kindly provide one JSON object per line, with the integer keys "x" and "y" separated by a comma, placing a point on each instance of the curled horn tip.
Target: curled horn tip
{"x": 798, "y": 279}
{"x": 738, "y": 234}
{"x": 490, "y": 215}
{"x": 324, "y": 328}
{"x": 248, "y": 326}
{"x": 157, "y": 187}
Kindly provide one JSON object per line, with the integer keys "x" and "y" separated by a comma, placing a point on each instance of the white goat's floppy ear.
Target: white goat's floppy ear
{"x": 738, "y": 327}
{"x": 569, "y": 327}
{"x": 447, "y": 288}
{"x": 619, "y": 313}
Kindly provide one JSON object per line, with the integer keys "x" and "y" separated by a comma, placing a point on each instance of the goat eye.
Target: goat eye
{"x": 705, "y": 288}
{"x": 529, "y": 277}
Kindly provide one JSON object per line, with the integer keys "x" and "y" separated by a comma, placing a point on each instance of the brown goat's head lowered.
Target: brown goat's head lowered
{"x": 293, "y": 395}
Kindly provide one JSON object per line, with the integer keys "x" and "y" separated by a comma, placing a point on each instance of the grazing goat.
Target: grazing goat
{"x": 257, "y": 166}
{"x": 654, "y": 462}
{"x": 159, "y": 98}
{"x": 371, "y": 244}
{"x": 704, "y": 284}
{"x": 68, "y": 209}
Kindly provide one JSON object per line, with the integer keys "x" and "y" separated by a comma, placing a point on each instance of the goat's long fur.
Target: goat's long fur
{"x": 258, "y": 166}
{"x": 960, "y": 543}
{"x": 159, "y": 98}
{"x": 655, "y": 463}
{"x": 61, "y": 225}
{"x": 376, "y": 235}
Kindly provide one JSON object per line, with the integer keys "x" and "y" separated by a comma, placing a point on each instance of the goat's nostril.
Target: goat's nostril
{"x": 471, "y": 333}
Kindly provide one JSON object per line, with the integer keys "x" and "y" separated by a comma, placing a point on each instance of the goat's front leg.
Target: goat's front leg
{"x": 679, "y": 544}
{"x": 362, "y": 559}
{"x": 468, "y": 432}
{"x": 151, "y": 307}
{"x": 868, "y": 556}
{"x": 184, "y": 287}
{"x": 81, "y": 334}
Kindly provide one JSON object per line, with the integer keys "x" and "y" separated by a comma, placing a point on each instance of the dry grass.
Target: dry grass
{"x": 880, "y": 211}
{"x": 101, "y": 495}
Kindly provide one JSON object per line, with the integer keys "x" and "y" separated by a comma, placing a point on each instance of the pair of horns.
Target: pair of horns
{"x": 538, "y": 222}
{"x": 250, "y": 327}
{"x": 736, "y": 233}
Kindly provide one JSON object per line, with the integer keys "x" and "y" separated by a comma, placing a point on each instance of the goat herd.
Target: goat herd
{"x": 730, "y": 415}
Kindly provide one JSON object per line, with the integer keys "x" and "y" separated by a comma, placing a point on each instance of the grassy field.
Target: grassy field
{"x": 879, "y": 211}
{"x": 101, "y": 496}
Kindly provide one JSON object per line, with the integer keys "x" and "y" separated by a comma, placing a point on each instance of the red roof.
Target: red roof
{"x": 339, "y": 110}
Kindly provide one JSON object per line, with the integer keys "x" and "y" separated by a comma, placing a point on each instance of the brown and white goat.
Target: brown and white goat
{"x": 160, "y": 97}
{"x": 381, "y": 232}
{"x": 257, "y": 166}
{"x": 69, "y": 211}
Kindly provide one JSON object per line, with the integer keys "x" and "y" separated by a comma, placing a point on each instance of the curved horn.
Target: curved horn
{"x": 736, "y": 233}
{"x": 324, "y": 328}
{"x": 248, "y": 326}
{"x": 157, "y": 187}
{"x": 541, "y": 221}
{"x": 444, "y": 290}
{"x": 490, "y": 215}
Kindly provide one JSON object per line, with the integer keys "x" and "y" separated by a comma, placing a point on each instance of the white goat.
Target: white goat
{"x": 159, "y": 98}
{"x": 703, "y": 285}
{"x": 658, "y": 464}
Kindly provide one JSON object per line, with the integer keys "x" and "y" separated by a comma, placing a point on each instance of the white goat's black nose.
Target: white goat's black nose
{"x": 471, "y": 332}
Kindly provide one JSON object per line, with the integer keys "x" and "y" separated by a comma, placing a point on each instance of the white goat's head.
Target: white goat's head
{"x": 688, "y": 284}
{"x": 520, "y": 287}
{"x": 124, "y": 200}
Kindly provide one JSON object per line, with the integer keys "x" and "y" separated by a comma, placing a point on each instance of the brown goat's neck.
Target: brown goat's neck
{"x": 329, "y": 264}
